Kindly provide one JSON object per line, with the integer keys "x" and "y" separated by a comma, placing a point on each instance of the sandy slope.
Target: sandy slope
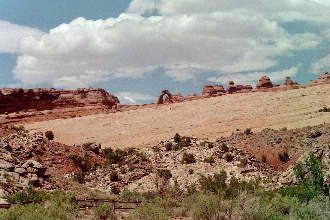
{"x": 205, "y": 118}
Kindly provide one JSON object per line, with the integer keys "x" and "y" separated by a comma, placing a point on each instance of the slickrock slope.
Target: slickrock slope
{"x": 14, "y": 100}
{"x": 204, "y": 118}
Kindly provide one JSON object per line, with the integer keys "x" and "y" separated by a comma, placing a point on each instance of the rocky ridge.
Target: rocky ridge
{"x": 15, "y": 100}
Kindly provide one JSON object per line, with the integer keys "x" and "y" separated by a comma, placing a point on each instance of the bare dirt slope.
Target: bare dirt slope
{"x": 205, "y": 118}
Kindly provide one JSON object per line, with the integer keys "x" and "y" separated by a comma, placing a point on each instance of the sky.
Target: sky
{"x": 137, "y": 48}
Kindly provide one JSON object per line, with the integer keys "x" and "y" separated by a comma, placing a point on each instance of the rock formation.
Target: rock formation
{"x": 14, "y": 100}
{"x": 264, "y": 83}
{"x": 324, "y": 79}
{"x": 213, "y": 90}
{"x": 289, "y": 82}
{"x": 232, "y": 88}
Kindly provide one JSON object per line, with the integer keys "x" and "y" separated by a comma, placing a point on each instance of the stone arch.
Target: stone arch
{"x": 161, "y": 97}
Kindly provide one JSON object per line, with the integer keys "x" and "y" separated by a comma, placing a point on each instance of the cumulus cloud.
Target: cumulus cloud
{"x": 281, "y": 10}
{"x": 134, "y": 98}
{"x": 321, "y": 65}
{"x": 85, "y": 52}
{"x": 12, "y": 34}
{"x": 253, "y": 77}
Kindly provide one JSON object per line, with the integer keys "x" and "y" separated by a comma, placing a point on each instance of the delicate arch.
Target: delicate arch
{"x": 161, "y": 97}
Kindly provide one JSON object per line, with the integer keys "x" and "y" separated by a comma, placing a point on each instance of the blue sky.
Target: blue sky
{"x": 137, "y": 48}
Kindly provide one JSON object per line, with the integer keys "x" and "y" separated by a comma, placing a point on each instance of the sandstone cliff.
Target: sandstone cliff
{"x": 14, "y": 100}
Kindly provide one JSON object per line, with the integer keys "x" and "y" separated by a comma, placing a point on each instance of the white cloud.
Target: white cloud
{"x": 281, "y": 10}
{"x": 252, "y": 78}
{"x": 134, "y": 98}
{"x": 321, "y": 65}
{"x": 12, "y": 34}
{"x": 85, "y": 52}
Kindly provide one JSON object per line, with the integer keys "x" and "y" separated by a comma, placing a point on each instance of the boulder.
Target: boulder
{"x": 93, "y": 147}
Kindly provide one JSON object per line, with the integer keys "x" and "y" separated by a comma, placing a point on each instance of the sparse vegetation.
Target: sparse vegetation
{"x": 188, "y": 158}
{"x": 264, "y": 159}
{"x": 105, "y": 211}
{"x": 164, "y": 173}
{"x": 114, "y": 176}
{"x": 49, "y": 135}
{"x": 224, "y": 148}
{"x": 115, "y": 190}
{"x": 177, "y": 138}
{"x": 229, "y": 157}
{"x": 168, "y": 146}
{"x": 248, "y": 131}
{"x": 324, "y": 109}
{"x": 209, "y": 160}
{"x": 284, "y": 157}
{"x": 79, "y": 176}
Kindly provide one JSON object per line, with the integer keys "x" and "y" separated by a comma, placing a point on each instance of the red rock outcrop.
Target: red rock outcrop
{"x": 15, "y": 100}
{"x": 324, "y": 79}
{"x": 264, "y": 83}
{"x": 213, "y": 90}
{"x": 232, "y": 88}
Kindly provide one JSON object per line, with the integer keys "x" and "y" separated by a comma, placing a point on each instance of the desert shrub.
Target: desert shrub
{"x": 114, "y": 157}
{"x": 177, "y": 138}
{"x": 248, "y": 131}
{"x": 79, "y": 176}
{"x": 284, "y": 129}
{"x": 114, "y": 176}
{"x": 191, "y": 171}
{"x": 115, "y": 190}
{"x": 105, "y": 211}
{"x": 324, "y": 109}
{"x": 210, "y": 145}
{"x": 156, "y": 209}
{"x": 49, "y": 135}
{"x": 244, "y": 161}
{"x": 284, "y": 157}
{"x": 28, "y": 195}
{"x": 224, "y": 148}
{"x": 264, "y": 159}
{"x": 168, "y": 146}
{"x": 188, "y": 158}
{"x": 84, "y": 163}
{"x": 164, "y": 173}
{"x": 128, "y": 195}
{"x": 54, "y": 205}
{"x": 229, "y": 157}
{"x": 214, "y": 184}
{"x": 184, "y": 142}
{"x": 207, "y": 206}
{"x": 311, "y": 187}
{"x": 209, "y": 160}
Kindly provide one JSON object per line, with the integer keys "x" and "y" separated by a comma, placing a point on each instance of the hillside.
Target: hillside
{"x": 207, "y": 118}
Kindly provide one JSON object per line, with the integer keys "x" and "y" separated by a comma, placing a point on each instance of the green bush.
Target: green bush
{"x": 156, "y": 209}
{"x": 229, "y": 157}
{"x": 168, "y": 146}
{"x": 214, "y": 184}
{"x": 105, "y": 211}
{"x": 248, "y": 131}
{"x": 49, "y": 135}
{"x": 114, "y": 157}
{"x": 177, "y": 138}
{"x": 164, "y": 173}
{"x": 48, "y": 206}
{"x": 114, "y": 176}
{"x": 84, "y": 163}
{"x": 224, "y": 148}
{"x": 284, "y": 157}
{"x": 79, "y": 176}
{"x": 209, "y": 160}
{"x": 188, "y": 158}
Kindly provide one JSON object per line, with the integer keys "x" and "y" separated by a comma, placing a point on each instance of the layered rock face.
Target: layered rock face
{"x": 213, "y": 90}
{"x": 264, "y": 83}
{"x": 14, "y": 100}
